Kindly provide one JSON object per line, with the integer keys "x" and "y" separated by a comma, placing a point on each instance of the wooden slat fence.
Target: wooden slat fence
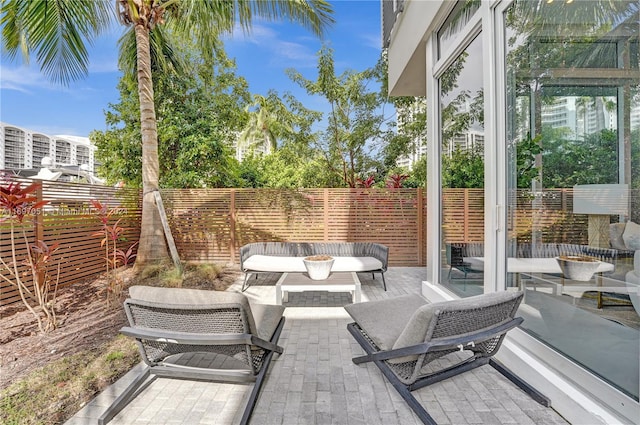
{"x": 69, "y": 219}
{"x": 210, "y": 225}
{"x": 463, "y": 216}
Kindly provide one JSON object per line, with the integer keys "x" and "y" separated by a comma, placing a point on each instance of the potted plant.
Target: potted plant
{"x": 578, "y": 267}
{"x": 318, "y": 266}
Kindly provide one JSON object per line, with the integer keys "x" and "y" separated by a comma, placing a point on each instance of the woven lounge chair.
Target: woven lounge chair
{"x": 455, "y": 259}
{"x": 403, "y": 335}
{"x": 170, "y": 324}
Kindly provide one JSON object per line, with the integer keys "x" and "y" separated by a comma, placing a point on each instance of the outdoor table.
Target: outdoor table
{"x": 301, "y": 282}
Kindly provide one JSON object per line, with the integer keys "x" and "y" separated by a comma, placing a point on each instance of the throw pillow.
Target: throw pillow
{"x": 631, "y": 235}
{"x": 615, "y": 235}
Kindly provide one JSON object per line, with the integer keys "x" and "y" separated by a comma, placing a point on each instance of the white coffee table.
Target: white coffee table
{"x": 301, "y": 282}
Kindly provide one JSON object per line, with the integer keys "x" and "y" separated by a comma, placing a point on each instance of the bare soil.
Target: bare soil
{"x": 85, "y": 322}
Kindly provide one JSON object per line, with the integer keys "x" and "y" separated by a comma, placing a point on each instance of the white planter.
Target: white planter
{"x": 318, "y": 266}
{"x": 578, "y": 268}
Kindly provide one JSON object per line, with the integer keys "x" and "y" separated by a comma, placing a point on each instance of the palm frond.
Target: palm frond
{"x": 219, "y": 16}
{"x": 56, "y": 31}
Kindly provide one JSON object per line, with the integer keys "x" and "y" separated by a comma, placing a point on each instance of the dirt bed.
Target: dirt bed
{"x": 84, "y": 323}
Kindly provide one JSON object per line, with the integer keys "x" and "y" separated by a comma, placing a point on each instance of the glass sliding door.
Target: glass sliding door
{"x": 573, "y": 148}
{"x": 462, "y": 171}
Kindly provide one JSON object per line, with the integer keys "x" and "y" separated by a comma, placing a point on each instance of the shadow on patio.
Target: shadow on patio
{"x": 315, "y": 382}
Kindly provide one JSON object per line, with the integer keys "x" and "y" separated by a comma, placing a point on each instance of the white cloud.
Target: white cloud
{"x": 23, "y": 79}
{"x": 373, "y": 41}
{"x": 282, "y": 52}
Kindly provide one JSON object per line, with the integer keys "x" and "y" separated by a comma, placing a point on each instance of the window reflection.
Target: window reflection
{"x": 457, "y": 19}
{"x": 462, "y": 164}
{"x": 572, "y": 99}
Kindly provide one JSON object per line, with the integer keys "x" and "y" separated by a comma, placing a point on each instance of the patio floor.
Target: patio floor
{"x": 315, "y": 382}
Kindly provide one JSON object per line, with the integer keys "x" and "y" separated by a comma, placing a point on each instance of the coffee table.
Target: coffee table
{"x": 301, "y": 282}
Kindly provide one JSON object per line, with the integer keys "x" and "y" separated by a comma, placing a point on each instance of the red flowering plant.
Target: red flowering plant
{"x": 37, "y": 288}
{"x": 394, "y": 181}
{"x": 115, "y": 257}
{"x": 367, "y": 183}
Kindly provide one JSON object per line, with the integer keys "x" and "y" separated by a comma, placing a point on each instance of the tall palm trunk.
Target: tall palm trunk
{"x": 152, "y": 242}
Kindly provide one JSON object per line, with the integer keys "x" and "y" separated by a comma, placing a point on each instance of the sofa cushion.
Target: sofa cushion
{"x": 631, "y": 235}
{"x": 384, "y": 320}
{"x": 268, "y": 263}
{"x": 615, "y": 235}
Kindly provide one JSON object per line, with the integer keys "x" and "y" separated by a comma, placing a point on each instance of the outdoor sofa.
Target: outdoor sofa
{"x": 465, "y": 256}
{"x": 286, "y": 257}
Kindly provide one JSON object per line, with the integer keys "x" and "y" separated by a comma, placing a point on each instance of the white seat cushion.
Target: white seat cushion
{"x": 268, "y": 263}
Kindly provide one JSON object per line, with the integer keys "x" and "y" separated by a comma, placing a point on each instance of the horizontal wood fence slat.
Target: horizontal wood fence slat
{"x": 206, "y": 227}
{"x": 68, "y": 218}
{"x": 210, "y": 225}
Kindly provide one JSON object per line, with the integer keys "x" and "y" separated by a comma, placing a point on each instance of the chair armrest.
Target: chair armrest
{"x": 247, "y": 251}
{"x": 173, "y": 337}
{"x": 259, "y": 342}
{"x": 454, "y": 342}
{"x": 380, "y": 252}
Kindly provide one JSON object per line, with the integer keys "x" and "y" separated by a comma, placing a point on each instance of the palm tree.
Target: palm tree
{"x": 57, "y": 31}
{"x": 583, "y": 105}
{"x": 267, "y": 123}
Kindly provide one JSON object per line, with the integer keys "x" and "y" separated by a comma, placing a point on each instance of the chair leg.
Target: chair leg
{"x": 402, "y": 389}
{"x": 253, "y": 398}
{"x": 523, "y": 385}
{"x": 405, "y": 393}
{"x": 125, "y": 398}
{"x": 244, "y": 284}
{"x": 384, "y": 284}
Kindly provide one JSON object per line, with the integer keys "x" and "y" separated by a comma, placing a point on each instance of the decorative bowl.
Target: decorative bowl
{"x": 576, "y": 267}
{"x": 318, "y": 266}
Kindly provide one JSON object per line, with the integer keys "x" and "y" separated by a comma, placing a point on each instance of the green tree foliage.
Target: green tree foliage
{"x": 410, "y": 126}
{"x": 463, "y": 169}
{"x": 593, "y": 160}
{"x": 527, "y": 151}
{"x": 119, "y": 151}
{"x": 288, "y": 127}
{"x": 635, "y": 158}
{"x": 418, "y": 175}
{"x": 354, "y": 121}
{"x": 202, "y": 111}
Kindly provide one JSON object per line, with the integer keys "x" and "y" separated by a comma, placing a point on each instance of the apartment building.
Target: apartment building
{"x": 22, "y": 148}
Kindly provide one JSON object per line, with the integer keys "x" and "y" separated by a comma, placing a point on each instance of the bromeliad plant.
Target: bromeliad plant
{"x": 114, "y": 256}
{"x": 394, "y": 181}
{"x": 29, "y": 274}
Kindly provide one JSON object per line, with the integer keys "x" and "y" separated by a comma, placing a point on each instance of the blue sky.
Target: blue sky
{"x": 28, "y": 100}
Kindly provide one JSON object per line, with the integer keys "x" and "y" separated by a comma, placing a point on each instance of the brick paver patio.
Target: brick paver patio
{"x": 315, "y": 382}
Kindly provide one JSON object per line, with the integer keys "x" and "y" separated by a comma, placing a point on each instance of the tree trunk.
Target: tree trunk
{"x": 152, "y": 247}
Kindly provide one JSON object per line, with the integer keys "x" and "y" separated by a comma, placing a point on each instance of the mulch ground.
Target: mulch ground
{"x": 84, "y": 323}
